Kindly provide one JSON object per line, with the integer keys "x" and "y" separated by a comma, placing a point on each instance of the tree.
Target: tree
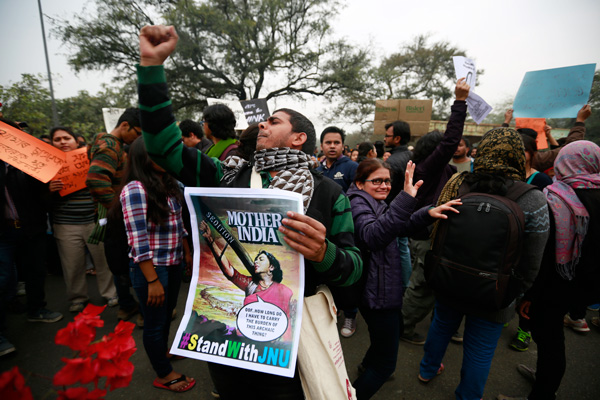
{"x": 593, "y": 122}
{"x": 228, "y": 48}
{"x": 29, "y": 100}
{"x": 419, "y": 70}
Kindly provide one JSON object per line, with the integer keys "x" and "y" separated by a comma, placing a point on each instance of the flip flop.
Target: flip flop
{"x": 167, "y": 385}
{"x": 174, "y": 357}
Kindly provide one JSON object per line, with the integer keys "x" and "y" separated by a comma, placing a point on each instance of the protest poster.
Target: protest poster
{"x": 465, "y": 68}
{"x": 256, "y": 110}
{"x": 244, "y": 306}
{"x": 554, "y": 93}
{"x": 111, "y": 117}
{"x": 29, "y": 154}
{"x": 236, "y": 107}
{"x": 478, "y": 107}
{"x": 74, "y": 171}
{"x": 537, "y": 124}
{"x": 417, "y": 113}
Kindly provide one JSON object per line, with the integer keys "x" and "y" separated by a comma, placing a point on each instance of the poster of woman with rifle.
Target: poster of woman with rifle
{"x": 242, "y": 310}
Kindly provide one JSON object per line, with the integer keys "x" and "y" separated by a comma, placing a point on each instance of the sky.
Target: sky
{"x": 506, "y": 39}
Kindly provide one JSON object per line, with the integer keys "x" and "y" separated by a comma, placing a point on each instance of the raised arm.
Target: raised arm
{"x": 544, "y": 160}
{"x": 161, "y": 133}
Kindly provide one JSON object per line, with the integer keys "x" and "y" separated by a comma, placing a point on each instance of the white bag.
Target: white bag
{"x": 320, "y": 358}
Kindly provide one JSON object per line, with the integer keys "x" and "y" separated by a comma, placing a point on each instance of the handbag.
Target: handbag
{"x": 321, "y": 363}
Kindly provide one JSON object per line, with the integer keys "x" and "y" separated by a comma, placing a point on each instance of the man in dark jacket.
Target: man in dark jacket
{"x": 336, "y": 166}
{"x": 397, "y": 136}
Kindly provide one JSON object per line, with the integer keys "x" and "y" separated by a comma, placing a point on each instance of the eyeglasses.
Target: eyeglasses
{"x": 379, "y": 181}
{"x": 137, "y": 130}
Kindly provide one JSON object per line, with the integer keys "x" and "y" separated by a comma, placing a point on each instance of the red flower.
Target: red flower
{"x": 76, "y": 335}
{"x": 78, "y": 393}
{"x": 77, "y": 370}
{"x": 117, "y": 343}
{"x": 118, "y": 382}
{"x": 81, "y": 393}
{"x": 106, "y": 368}
{"x": 12, "y": 386}
{"x": 91, "y": 315}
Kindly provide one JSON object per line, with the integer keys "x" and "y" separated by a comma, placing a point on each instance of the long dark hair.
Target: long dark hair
{"x": 277, "y": 272}
{"x": 159, "y": 186}
{"x": 426, "y": 145}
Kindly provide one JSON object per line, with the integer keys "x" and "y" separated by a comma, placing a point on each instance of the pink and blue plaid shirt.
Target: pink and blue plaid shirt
{"x": 148, "y": 241}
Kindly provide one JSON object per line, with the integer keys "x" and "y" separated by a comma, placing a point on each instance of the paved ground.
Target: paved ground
{"x": 39, "y": 358}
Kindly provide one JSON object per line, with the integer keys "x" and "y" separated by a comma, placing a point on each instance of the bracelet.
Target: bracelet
{"x": 153, "y": 280}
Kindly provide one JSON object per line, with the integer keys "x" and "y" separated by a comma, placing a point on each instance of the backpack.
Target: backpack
{"x": 475, "y": 254}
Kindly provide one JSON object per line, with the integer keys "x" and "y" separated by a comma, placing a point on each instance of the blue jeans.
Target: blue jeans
{"x": 405, "y": 260}
{"x": 480, "y": 341}
{"x": 157, "y": 320}
{"x": 385, "y": 328}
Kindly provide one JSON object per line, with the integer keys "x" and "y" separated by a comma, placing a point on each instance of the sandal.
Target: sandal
{"x": 429, "y": 380}
{"x": 167, "y": 385}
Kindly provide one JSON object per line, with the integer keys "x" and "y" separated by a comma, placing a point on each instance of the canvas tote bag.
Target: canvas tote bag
{"x": 320, "y": 358}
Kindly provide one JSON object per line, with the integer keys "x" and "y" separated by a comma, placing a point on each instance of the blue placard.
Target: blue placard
{"x": 554, "y": 93}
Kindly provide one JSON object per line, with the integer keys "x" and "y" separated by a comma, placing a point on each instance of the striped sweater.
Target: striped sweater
{"x": 342, "y": 264}
{"x": 107, "y": 162}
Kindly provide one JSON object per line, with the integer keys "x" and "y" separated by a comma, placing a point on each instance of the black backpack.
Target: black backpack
{"x": 475, "y": 254}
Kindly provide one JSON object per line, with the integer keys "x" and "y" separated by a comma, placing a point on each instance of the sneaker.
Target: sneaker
{"x": 140, "y": 321}
{"x": 594, "y": 307}
{"x": 457, "y": 338}
{"x": 349, "y": 327}
{"x": 6, "y": 347}
{"x": 76, "y": 307}
{"x": 521, "y": 341}
{"x": 44, "y": 315}
{"x": 527, "y": 372}
{"x": 596, "y": 321}
{"x": 125, "y": 315}
{"x": 215, "y": 394}
{"x": 113, "y": 301}
{"x": 415, "y": 338}
{"x": 429, "y": 380}
{"x": 578, "y": 325}
{"x": 21, "y": 289}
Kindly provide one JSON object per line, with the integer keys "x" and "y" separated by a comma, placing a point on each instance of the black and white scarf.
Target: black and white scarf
{"x": 292, "y": 166}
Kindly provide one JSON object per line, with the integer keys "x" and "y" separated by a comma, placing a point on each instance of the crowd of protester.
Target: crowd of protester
{"x": 368, "y": 223}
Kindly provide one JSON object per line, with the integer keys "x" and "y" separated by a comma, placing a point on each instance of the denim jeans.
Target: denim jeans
{"x": 157, "y": 320}
{"x": 385, "y": 328}
{"x": 480, "y": 341}
{"x": 405, "y": 260}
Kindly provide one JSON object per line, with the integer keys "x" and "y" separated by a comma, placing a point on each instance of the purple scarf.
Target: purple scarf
{"x": 576, "y": 167}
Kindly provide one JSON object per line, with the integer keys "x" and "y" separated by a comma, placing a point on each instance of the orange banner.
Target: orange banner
{"x": 537, "y": 124}
{"x": 31, "y": 155}
{"x": 74, "y": 171}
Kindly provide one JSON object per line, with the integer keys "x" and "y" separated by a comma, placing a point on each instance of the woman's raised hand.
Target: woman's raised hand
{"x": 409, "y": 188}
{"x": 438, "y": 212}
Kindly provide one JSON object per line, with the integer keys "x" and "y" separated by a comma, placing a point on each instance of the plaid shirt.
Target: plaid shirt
{"x": 148, "y": 241}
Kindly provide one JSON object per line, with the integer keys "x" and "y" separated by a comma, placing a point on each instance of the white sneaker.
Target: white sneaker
{"x": 578, "y": 325}
{"x": 349, "y": 327}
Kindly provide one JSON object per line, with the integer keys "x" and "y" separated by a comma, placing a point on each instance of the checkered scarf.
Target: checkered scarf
{"x": 293, "y": 168}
